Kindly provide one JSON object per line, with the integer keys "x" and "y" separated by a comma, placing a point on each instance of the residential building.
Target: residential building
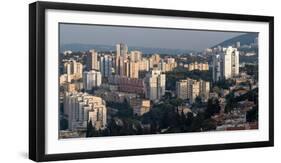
{"x": 155, "y": 83}
{"x": 181, "y": 89}
{"x": 217, "y": 68}
{"x": 121, "y": 57}
{"x": 73, "y": 70}
{"x": 130, "y": 85}
{"x": 154, "y": 60}
{"x": 106, "y": 65}
{"x": 82, "y": 108}
{"x": 135, "y": 56}
{"x": 190, "y": 89}
{"x": 230, "y": 62}
{"x": 92, "y": 60}
{"x": 91, "y": 79}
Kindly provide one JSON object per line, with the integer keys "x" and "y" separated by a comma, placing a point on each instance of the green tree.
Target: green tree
{"x": 231, "y": 102}
{"x": 213, "y": 107}
{"x": 91, "y": 131}
{"x": 252, "y": 115}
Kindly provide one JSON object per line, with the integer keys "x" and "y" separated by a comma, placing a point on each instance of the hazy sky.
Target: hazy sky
{"x": 144, "y": 37}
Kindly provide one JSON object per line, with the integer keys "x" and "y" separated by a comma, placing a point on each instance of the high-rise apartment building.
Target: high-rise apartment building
{"x": 198, "y": 66}
{"x": 73, "y": 70}
{"x": 121, "y": 57}
{"x": 226, "y": 65}
{"x": 133, "y": 69}
{"x": 155, "y": 84}
{"x": 193, "y": 89}
{"x": 181, "y": 89}
{"x": 91, "y": 79}
{"x": 143, "y": 64}
{"x": 135, "y": 56}
{"x": 106, "y": 65}
{"x": 92, "y": 60}
{"x": 82, "y": 108}
{"x": 154, "y": 60}
{"x": 217, "y": 68}
{"x": 230, "y": 62}
{"x": 190, "y": 89}
{"x": 204, "y": 90}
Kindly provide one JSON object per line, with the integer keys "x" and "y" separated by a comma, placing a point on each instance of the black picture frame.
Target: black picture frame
{"x": 37, "y": 80}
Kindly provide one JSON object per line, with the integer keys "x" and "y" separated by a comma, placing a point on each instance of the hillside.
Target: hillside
{"x": 243, "y": 39}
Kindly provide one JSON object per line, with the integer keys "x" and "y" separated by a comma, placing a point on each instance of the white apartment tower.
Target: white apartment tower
{"x": 81, "y": 108}
{"x": 230, "y": 62}
{"x": 91, "y": 79}
{"x": 155, "y": 84}
{"x": 226, "y": 65}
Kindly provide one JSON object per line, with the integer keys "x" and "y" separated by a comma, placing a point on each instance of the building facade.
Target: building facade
{"x": 155, "y": 84}
{"x": 217, "y": 68}
{"x": 181, "y": 89}
{"x": 106, "y": 65}
{"x": 230, "y": 63}
{"x": 121, "y": 57}
{"x": 91, "y": 79}
{"x": 82, "y": 108}
{"x": 190, "y": 89}
{"x": 92, "y": 60}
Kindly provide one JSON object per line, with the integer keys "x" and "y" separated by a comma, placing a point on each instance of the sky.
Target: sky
{"x": 142, "y": 37}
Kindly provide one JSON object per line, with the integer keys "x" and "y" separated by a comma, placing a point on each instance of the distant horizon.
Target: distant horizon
{"x": 179, "y": 39}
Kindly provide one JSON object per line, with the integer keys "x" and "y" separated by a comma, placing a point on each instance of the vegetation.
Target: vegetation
{"x": 224, "y": 84}
{"x": 251, "y": 69}
{"x": 213, "y": 107}
{"x": 232, "y": 101}
{"x": 252, "y": 115}
{"x": 124, "y": 109}
{"x": 63, "y": 124}
{"x": 162, "y": 118}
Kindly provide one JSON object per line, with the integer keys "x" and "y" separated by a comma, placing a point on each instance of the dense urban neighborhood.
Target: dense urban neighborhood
{"x": 124, "y": 91}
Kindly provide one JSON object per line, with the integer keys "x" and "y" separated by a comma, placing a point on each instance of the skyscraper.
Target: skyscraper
{"x": 217, "y": 68}
{"x": 226, "y": 65}
{"x": 230, "y": 62}
{"x": 91, "y": 79}
{"x": 121, "y": 57}
{"x": 156, "y": 84}
{"x": 92, "y": 60}
{"x": 106, "y": 65}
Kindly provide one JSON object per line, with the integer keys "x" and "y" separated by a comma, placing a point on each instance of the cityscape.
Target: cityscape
{"x": 118, "y": 89}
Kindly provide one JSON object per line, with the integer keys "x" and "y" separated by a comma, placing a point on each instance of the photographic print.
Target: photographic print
{"x": 111, "y": 81}
{"x": 129, "y": 80}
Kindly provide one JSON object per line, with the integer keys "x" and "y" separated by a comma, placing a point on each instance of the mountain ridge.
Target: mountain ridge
{"x": 247, "y": 38}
